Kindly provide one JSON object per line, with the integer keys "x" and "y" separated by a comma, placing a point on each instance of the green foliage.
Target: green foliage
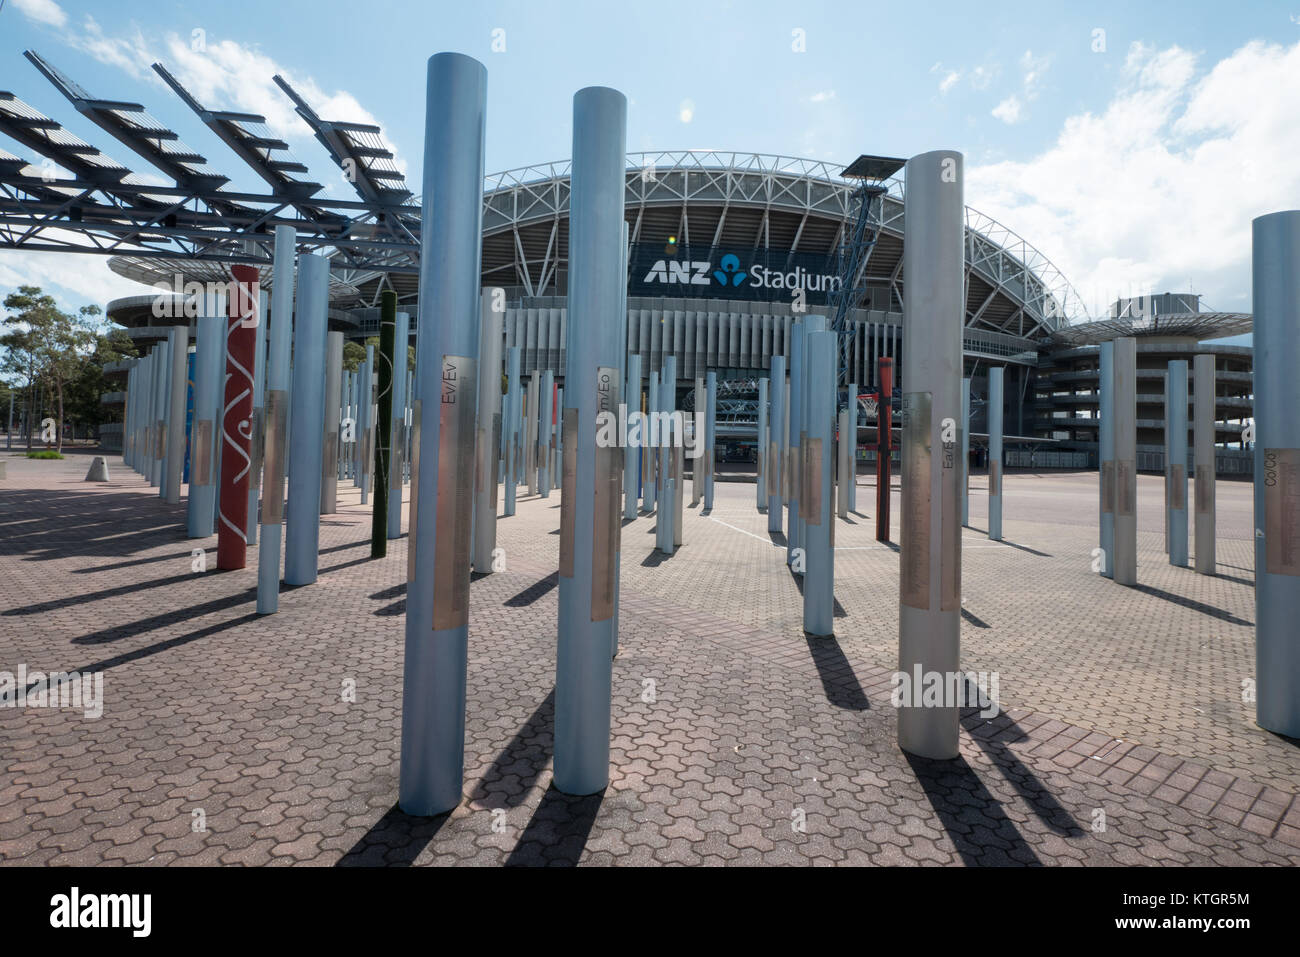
{"x": 45, "y": 454}
{"x": 50, "y": 350}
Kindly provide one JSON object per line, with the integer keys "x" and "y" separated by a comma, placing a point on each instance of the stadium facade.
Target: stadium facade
{"x": 726, "y": 250}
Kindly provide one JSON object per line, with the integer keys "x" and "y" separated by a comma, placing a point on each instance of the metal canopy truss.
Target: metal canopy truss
{"x": 105, "y": 208}
{"x": 705, "y": 197}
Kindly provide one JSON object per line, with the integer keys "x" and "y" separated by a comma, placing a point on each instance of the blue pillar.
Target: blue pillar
{"x": 995, "y": 452}
{"x": 853, "y": 446}
{"x": 649, "y": 492}
{"x": 632, "y": 454}
{"x": 589, "y": 523}
{"x": 1176, "y": 467}
{"x": 817, "y": 490}
{"x": 1106, "y": 457}
{"x": 711, "y": 419}
{"x": 1276, "y": 287}
{"x": 512, "y": 428}
{"x": 776, "y": 443}
{"x": 307, "y": 418}
{"x": 201, "y": 504}
{"x": 487, "y": 433}
{"x": 930, "y": 544}
{"x": 437, "y": 594}
{"x": 546, "y": 410}
{"x": 965, "y": 452}
{"x": 276, "y": 409}
{"x": 792, "y": 468}
{"x": 760, "y": 456}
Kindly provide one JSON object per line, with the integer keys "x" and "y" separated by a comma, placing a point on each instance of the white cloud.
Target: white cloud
{"x": 1034, "y": 67}
{"x": 686, "y": 112}
{"x": 1009, "y": 110}
{"x": 1160, "y": 187}
{"x": 982, "y": 76}
{"x": 42, "y": 11}
{"x": 821, "y": 96}
{"x": 75, "y": 280}
{"x": 949, "y": 81}
{"x": 130, "y": 54}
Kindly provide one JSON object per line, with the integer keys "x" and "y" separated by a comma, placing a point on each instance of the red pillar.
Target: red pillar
{"x": 237, "y": 417}
{"x": 884, "y": 432}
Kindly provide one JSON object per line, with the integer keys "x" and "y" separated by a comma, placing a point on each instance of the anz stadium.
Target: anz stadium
{"x": 725, "y": 249}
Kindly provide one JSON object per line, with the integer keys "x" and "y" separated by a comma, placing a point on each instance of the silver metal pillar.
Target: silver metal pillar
{"x": 650, "y": 464}
{"x": 1176, "y": 465}
{"x": 842, "y": 465}
{"x": 488, "y": 427}
{"x": 1164, "y": 381}
{"x": 793, "y": 461}
{"x": 853, "y": 446}
{"x": 178, "y": 344}
{"x": 1203, "y": 378}
{"x": 710, "y": 444}
{"x": 437, "y": 593}
{"x": 930, "y": 546}
{"x": 1276, "y": 297}
{"x": 995, "y": 452}
{"x": 329, "y": 487}
{"x": 545, "y": 432}
{"x": 965, "y": 452}
{"x": 1106, "y": 458}
{"x": 817, "y": 486}
{"x": 513, "y": 398}
{"x": 161, "y": 381}
{"x": 699, "y": 427}
{"x": 200, "y": 506}
{"x": 633, "y": 453}
{"x": 589, "y": 522}
{"x": 307, "y": 418}
{"x": 1126, "y": 460}
{"x": 776, "y": 443}
{"x": 760, "y": 457}
{"x": 532, "y": 401}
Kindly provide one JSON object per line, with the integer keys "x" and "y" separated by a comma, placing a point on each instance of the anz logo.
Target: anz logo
{"x": 697, "y": 273}
{"x": 671, "y": 271}
{"x": 730, "y": 275}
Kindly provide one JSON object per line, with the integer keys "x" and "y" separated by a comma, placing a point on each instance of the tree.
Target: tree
{"x": 47, "y": 346}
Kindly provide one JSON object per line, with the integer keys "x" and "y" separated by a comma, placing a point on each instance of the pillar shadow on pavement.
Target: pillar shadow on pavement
{"x": 395, "y": 840}
{"x": 838, "y": 678}
{"x": 524, "y": 759}
{"x": 972, "y": 817}
{"x": 558, "y": 830}
{"x": 1193, "y": 604}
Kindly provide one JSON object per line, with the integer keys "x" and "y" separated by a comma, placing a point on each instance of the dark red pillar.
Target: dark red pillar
{"x": 884, "y": 446}
{"x": 237, "y": 417}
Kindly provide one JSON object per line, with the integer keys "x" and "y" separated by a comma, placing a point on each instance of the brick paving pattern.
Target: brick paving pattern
{"x": 736, "y": 739}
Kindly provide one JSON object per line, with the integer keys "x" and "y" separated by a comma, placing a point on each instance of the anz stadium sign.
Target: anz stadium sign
{"x": 721, "y": 273}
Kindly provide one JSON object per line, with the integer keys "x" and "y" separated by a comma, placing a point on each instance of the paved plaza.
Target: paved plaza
{"x": 1127, "y": 735}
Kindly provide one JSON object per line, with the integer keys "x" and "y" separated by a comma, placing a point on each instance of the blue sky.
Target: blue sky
{"x": 1131, "y": 143}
